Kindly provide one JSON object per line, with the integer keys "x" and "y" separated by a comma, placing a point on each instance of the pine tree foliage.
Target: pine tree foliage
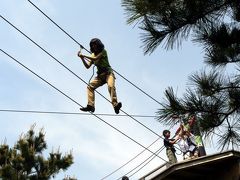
{"x": 25, "y": 160}
{"x": 212, "y": 95}
{"x": 221, "y": 43}
{"x": 173, "y": 20}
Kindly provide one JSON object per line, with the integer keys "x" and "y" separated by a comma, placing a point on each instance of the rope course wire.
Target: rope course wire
{"x": 135, "y": 158}
{"x": 74, "y": 73}
{"x": 55, "y": 59}
{"x": 124, "y": 134}
{"x": 152, "y": 157}
{"x": 51, "y": 56}
{"x": 81, "y": 46}
{"x": 114, "y": 71}
{"x": 146, "y": 161}
{"x": 71, "y": 113}
{"x": 89, "y": 52}
{"x": 129, "y": 160}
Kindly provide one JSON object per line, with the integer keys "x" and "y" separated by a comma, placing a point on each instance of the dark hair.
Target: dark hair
{"x": 99, "y": 46}
{"x": 165, "y": 132}
{"x": 125, "y": 178}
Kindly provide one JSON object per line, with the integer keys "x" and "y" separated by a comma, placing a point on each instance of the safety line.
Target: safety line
{"x": 59, "y": 27}
{"x": 129, "y": 161}
{"x": 137, "y": 87}
{"x": 150, "y": 158}
{"x": 75, "y": 74}
{"x": 78, "y": 103}
{"x": 133, "y": 157}
{"x": 70, "y": 113}
{"x": 112, "y": 69}
{"x": 89, "y": 51}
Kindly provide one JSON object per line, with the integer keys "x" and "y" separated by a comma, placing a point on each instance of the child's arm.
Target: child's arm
{"x": 174, "y": 141}
{"x": 93, "y": 58}
{"x": 180, "y": 130}
{"x": 85, "y": 63}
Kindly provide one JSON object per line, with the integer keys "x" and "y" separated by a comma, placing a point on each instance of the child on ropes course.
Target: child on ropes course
{"x": 105, "y": 74}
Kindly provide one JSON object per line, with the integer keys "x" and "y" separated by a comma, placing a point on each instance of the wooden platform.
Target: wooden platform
{"x": 221, "y": 166}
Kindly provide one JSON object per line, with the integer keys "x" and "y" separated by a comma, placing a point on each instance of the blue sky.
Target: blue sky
{"x": 98, "y": 149}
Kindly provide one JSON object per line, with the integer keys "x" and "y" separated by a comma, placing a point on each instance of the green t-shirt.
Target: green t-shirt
{"x": 195, "y": 131}
{"x": 103, "y": 63}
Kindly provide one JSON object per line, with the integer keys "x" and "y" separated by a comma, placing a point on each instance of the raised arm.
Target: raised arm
{"x": 174, "y": 141}
{"x": 86, "y": 63}
{"x": 93, "y": 58}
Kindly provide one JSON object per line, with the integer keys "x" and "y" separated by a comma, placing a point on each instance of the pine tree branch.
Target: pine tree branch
{"x": 203, "y": 15}
{"x": 171, "y": 30}
{"x": 225, "y": 88}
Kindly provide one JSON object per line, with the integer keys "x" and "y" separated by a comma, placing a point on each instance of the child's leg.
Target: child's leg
{"x": 111, "y": 89}
{"x": 196, "y": 152}
{"x": 94, "y": 84}
{"x": 171, "y": 156}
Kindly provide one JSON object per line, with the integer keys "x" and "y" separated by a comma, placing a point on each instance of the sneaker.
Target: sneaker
{"x": 117, "y": 107}
{"x": 88, "y": 108}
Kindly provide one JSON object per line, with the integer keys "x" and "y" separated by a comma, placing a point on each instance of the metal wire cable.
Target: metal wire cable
{"x": 70, "y": 113}
{"x": 68, "y": 68}
{"x": 152, "y": 157}
{"x": 74, "y": 73}
{"x": 129, "y": 160}
{"x": 114, "y": 71}
{"x": 89, "y": 51}
{"x": 133, "y": 159}
{"x": 78, "y": 103}
{"x": 146, "y": 161}
{"x": 81, "y": 46}
{"x": 55, "y": 59}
